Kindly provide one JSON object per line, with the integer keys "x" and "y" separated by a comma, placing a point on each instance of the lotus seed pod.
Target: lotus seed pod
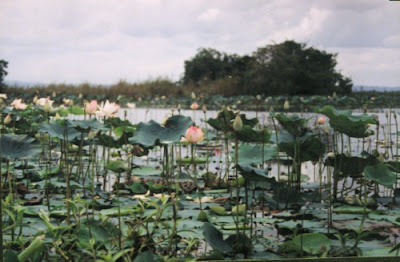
{"x": 193, "y": 96}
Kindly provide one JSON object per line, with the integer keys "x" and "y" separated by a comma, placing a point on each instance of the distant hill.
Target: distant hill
{"x": 358, "y": 88}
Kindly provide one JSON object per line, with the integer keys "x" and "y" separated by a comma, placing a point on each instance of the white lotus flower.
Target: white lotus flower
{"x": 108, "y": 109}
{"x": 17, "y": 104}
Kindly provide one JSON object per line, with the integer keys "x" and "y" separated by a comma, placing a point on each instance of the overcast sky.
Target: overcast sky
{"x": 103, "y": 41}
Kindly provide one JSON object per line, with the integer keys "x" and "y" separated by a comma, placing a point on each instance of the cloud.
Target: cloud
{"x": 102, "y": 41}
{"x": 209, "y": 15}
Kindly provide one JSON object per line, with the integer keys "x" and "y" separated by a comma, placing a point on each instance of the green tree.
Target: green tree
{"x": 3, "y": 73}
{"x": 210, "y": 65}
{"x": 292, "y": 68}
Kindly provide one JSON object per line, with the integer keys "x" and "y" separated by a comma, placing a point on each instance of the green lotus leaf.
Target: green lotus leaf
{"x": 248, "y": 134}
{"x": 146, "y": 171}
{"x": 116, "y": 166}
{"x": 292, "y": 123}
{"x": 214, "y": 238}
{"x": 252, "y": 154}
{"x": 380, "y": 174}
{"x": 350, "y": 165}
{"x": 312, "y": 243}
{"x": 19, "y": 146}
{"x": 224, "y": 121}
{"x": 253, "y": 174}
{"x": 311, "y": 147}
{"x": 76, "y": 110}
{"x": 86, "y": 125}
{"x": 151, "y": 133}
{"x": 58, "y": 130}
{"x": 344, "y": 122}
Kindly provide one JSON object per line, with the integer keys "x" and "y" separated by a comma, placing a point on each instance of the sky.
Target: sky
{"x": 104, "y": 41}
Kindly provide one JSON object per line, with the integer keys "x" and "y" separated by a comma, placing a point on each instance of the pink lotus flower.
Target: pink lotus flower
{"x": 91, "y": 108}
{"x": 194, "y": 134}
{"x": 108, "y": 109}
{"x": 321, "y": 120}
{"x": 17, "y": 104}
{"x": 194, "y": 106}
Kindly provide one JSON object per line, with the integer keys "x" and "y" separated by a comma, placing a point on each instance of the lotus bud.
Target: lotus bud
{"x": 80, "y": 95}
{"x": 163, "y": 97}
{"x": 286, "y": 105}
{"x": 372, "y": 98}
{"x": 194, "y": 106}
{"x": 91, "y": 108}
{"x": 258, "y": 97}
{"x": 194, "y": 134}
{"x": 58, "y": 116}
{"x": 321, "y": 120}
{"x": 334, "y": 95}
{"x": 204, "y": 108}
{"x": 54, "y": 94}
{"x": 35, "y": 99}
{"x": 139, "y": 99}
{"x": 238, "y": 102}
{"x": 237, "y": 123}
{"x": 193, "y": 96}
{"x": 381, "y": 158}
{"x": 331, "y": 155}
{"x": 91, "y": 134}
{"x": 7, "y": 119}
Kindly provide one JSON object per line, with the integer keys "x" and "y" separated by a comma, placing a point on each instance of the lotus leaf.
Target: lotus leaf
{"x": 381, "y": 174}
{"x": 224, "y": 121}
{"x": 116, "y": 166}
{"x": 86, "y": 125}
{"x": 151, "y": 133}
{"x": 311, "y": 147}
{"x": 18, "y": 146}
{"x": 215, "y": 239}
{"x": 252, "y": 154}
{"x": 58, "y": 130}
{"x": 344, "y": 122}
{"x": 350, "y": 165}
{"x": 292, "y": 123}
{"x": 312, "y": 243}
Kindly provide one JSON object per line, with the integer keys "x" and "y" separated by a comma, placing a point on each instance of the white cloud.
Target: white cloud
{"x": 101, "y": 41}
{"x": 209, "y": 15}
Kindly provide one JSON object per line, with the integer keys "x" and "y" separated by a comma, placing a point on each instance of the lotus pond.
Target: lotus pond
{"x": 111, "y": 184}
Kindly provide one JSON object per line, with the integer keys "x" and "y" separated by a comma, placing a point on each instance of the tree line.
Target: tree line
{"x": 288, "y": 68}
